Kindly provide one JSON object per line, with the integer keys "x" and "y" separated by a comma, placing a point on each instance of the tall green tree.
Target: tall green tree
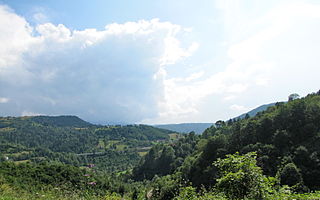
{"x": 241, "y": 177}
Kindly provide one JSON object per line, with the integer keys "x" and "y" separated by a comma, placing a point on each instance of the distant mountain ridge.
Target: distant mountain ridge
{"x": 199, "y": 128}
{"x": 255, "y": 111}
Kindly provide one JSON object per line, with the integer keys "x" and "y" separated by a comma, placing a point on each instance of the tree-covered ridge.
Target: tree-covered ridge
{"x": 60, "y": 121}
{"x": 286, "y": 138}
{"x": 29, "y": 132}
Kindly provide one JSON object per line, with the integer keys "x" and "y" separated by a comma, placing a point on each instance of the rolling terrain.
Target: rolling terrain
{"x": 272, "y": 155}
{"x": 70, "y": 140}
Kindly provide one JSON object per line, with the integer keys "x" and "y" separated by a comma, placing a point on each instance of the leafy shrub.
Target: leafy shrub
{"x": 242, "y": 178}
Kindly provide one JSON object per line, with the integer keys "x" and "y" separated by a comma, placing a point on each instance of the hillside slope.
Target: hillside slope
{"x": 68, "y": 139}
{"x": 60, "y": 121}
{"x": 285, "y": 136}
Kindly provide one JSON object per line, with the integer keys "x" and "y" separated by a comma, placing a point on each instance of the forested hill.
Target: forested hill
{"x": 61, "y": 121}
{"x": 286, "y": 138}
{"x": 68, "y": 139}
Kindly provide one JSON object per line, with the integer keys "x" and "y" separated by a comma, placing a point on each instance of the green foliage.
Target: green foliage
{"x": 199, "y": 169}
{"x": 60, "y": 121}
{"x": 34, "y": 176}
{"x": 190, "y": 193}
{"x": 289, "y": 129}
{"x": 139, "y": 132}
{"x": 70, "y": 140}
{"x": 290, "y": 175}
{"x": 166, "y": 187}
{"x": 285, "y": 137}
{"x": 187, "y": 193}
{"x": 241, "y": 177}
{"x": 59, "y": 181}
{"x": 164, "y": 159}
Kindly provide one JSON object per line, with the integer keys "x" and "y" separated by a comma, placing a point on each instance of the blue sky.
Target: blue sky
{"x": 155, "y": 61}
{"x": 96, "y": 14}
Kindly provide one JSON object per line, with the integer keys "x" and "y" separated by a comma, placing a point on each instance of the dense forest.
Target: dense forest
{"x": 70, "y": 140}
{"x": 272, "y": 155}
{"x": 285, "y": 137}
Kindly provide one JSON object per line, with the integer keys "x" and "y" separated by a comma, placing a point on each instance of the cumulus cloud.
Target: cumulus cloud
{"x": 111, "y": 75}
{"x": 269, "y": 56}
{"x": 174, "y": 52}
{"x": 184, "y": 96}
{"x": 122, "y": 73}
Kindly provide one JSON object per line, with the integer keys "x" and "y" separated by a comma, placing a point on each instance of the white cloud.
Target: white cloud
{"x": 173, "y": 52}
{"x": 262, "y": 81}
{"x": 58, "y": 33}
{"x": 113, "y": 75}
{"x": 278, "y": 55}
{"x": 15, "y": 37}
{"x": 238, "y": 108}
{"x": 229, "y": 98}
{"x": 28, "y": 113}
{"x": 195, "y": 76}
{"x": 124, "y": 70}
{"x": 275, "y": 51}
{"x": 4, "y": 100}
